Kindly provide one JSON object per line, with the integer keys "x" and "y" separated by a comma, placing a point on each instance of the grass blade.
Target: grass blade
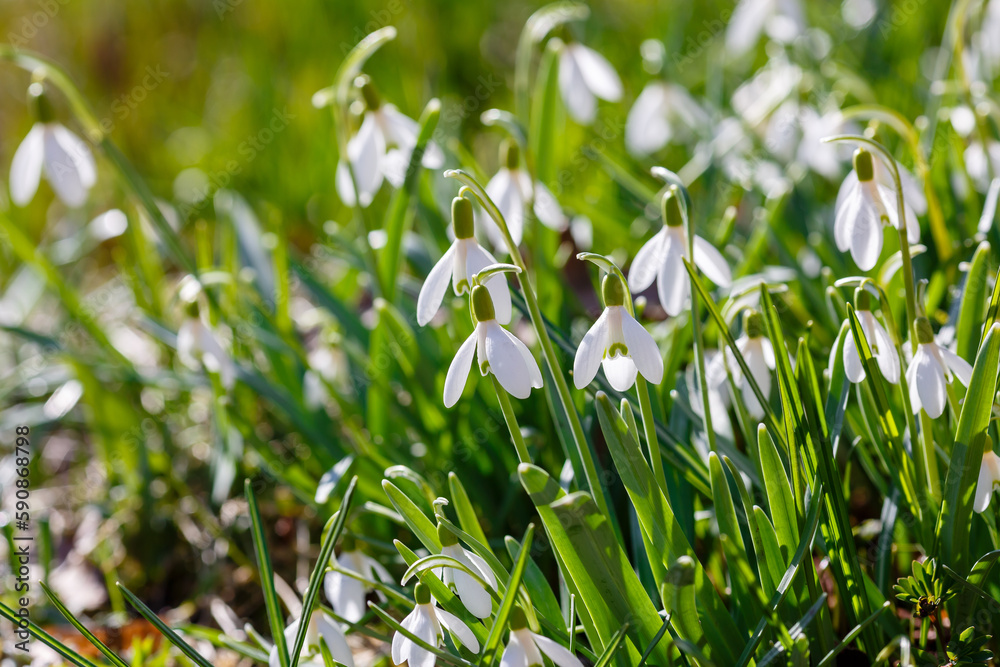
{"x": 266, "y": 576}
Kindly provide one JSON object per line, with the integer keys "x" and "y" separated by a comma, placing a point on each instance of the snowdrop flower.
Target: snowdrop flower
{"x": 197, "y": 346}
{"x": 426, "y": 622}
{"x": 472, "y": 593}
{"x": 321, "y": 626}
{"x": 758, "y": 354}
{"x": 583, "y": 75}
{"x": 618, "y": 343}
{"x": 511, "y": 189}
{"x": 878, "y": 341}
{"x": 498, "y": 351}
{"x": 662, "y": 259}
{"x": 989, "y": 478}
{"x": 932, "y": 368}
{"x": 864, "y": 205}
{"x": 658, "y": 111}
{"x": 525, "y": 648}
{"x": 781, "y": 19}
{"x": 51, "y": 149}
{"x": 345, "y": 593}
{"x": 458, "y": 266}
{"x": 978, "y": 162}
{"x": 380, "y": 149}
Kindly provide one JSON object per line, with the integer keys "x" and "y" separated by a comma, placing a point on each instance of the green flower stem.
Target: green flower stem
{"x": 511, "y": 419}
{"x": 649, "y": 430}
{"x": 580, "y": 440}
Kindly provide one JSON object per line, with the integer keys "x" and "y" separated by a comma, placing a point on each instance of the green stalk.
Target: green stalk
{"x": 511, "y": 419}
{"x": 580, "y": 440}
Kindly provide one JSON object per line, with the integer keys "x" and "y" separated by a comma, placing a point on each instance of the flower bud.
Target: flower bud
{"x": 445, "y": 536}
{"x": 863, "y": 166}
{"x": 671, "y": 204}
{"x": 925, "y": 334}
{"x": 461, "y": 218}
{"x": 613, "y": 291}
{"x": 482, "y": 304}
{"x": 517, "y": 620}
{"x": 862, "y": 299}
{"x": 510, "y": 154}
{"x": 753, "y": 324}
{"x": 41, "y": 106}
{"x": 368, "y": 92}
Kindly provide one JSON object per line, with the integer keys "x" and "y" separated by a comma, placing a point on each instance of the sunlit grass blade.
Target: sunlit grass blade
{"x": 331, "y": 533}
{"x": 952, "y": 534}
{"x": 266, "y": 574}
{"x": 972, "y": 312}
{"x": 164, "y": 629}
{"x": 417, "y": 521}
{"x": 489, "y": 649}
{"x": 47, "y": 639}
{"x": 88, "y": 635}
{"x": 612, "y": 648}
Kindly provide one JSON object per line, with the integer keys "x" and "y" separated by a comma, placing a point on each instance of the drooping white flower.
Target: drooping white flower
{"x": 660, "y": 111}
{"x": 321, "y": 627}
{"x": 618, "y": 343}
{"x": 989, "y": 479}
{"x": 979, "y": 162}
{"x": 758, "y": 353}
{"x": 932, "y": 368}
{"x": 50, "y": 149}
{"x": 380, "y": 150}
{"x": 345, "y": 593}
{"x": 864, "y": 205}
{"x": 511, "y": 189}
{"x": 878, "y": 341}
{"x": 458, "y": 266}
{"x": 470, "y": 591}
{"x": 525, "y": 648}
{"x": 583, "y": 75}
{"x": 498, "y": 351}
{"x": 781, "y": 19}
{"x": 661, "y": 259}
{"x": 427, "y": 621}
{"x": 197, "y": 346}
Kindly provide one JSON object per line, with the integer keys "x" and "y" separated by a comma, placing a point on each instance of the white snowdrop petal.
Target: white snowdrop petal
{"x": 61, "y": 170}
{"x": 504, "y": 192}
{"x": 866, "y": 236}
{"x": 480, "y": 565}
{"x": 711, "y": 262}
{"x": 343, "y": 184}
{"x": 26, "y": 169}
{"x": 346, "y": 595}
{"x": 672, "y": 280}
{"x": 459, "y": 629}
{"x": 426, "y": 629}
{"x": 646, "y": 263}
{"x": 433, "y": 290}
{"x": 848, "y": 204}
{"x": 853, "y": 367}
{"x": 591, "y": 351}
{"x": 506, "y": 362}
{"x": 888, "y": 359}
{"x": 394, "y": 165}
{"x": 642, "y": 348}
{"x": 399, "y": 128}
{"x": 959, "y": 366}
{"x": 598, "y": 74}
{"x": 478, "y": 259}
{"x": 335, "y": 641}
{"x": 620, "y": 371}
{"x": 366, "y": 151}
{"x": 401, "y": 643}
{"x": 513, "y": 654}
{"x": 984, "y": 489}
{"x": 577, "y": 96}
{"x": 458, "y": 371}
{"x": 557, "y": 653}
{"x": 931, "y": 385}
{"x": 911, "y": 382}
{"x": 548, "y": 210}
{"x": 79, "y": 152}
{"x": 746, "y": 25}
{"x": 647, "y": 129}
{"x": 475, "y": 598}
